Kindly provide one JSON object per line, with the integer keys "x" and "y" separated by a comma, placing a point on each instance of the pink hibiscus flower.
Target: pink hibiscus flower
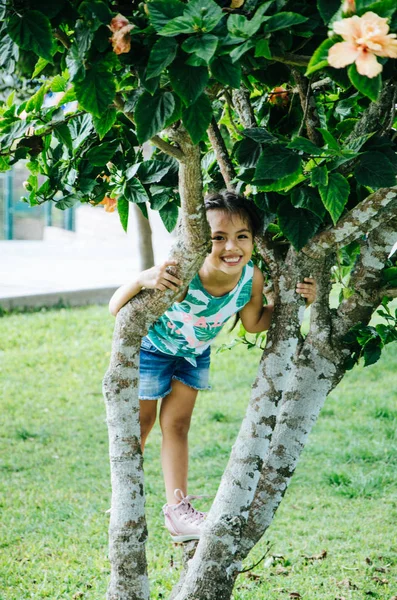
{"x": 121, "y": 38}
{"x": 365, "y": 38}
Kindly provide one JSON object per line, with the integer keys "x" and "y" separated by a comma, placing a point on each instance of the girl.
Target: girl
{"x": 175, "y": 354}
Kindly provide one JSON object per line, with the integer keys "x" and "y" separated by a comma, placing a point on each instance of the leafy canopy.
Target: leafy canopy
{"x": 116, "y": 81}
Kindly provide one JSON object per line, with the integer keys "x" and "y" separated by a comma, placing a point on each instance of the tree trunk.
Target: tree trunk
{"x": 127, "y": 530}
{"x": 144, "y": 238}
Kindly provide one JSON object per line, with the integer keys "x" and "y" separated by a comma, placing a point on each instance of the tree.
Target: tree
{"x": 241, "y": 95}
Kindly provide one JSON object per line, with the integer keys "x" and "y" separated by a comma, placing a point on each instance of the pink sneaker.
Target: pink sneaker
{"x": 182, "y": 520}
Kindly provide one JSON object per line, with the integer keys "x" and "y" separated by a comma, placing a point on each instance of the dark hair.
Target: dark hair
{"x": 234, "y": 204}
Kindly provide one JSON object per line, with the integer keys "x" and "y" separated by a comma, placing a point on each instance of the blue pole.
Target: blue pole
{"x": 8, "y": 215}
{"x": 69, "y": 221}
{"x": 48, "y": 213}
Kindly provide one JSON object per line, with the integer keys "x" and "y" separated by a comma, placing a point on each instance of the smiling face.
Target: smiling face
{"x": 232, "y": 242}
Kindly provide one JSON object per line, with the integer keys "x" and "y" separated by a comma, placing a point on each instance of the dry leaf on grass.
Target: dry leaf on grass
{"x": 321, "y": 556}
{"x": 281, "y": 571}
{"x": 295, "y": 595}
{"x": 347, "y": 583}
{"x": 379, "y": 580}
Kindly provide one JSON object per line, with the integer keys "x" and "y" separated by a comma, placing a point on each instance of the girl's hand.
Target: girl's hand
{"x": 307, "y": 290}
{"x": 159, "y": 277}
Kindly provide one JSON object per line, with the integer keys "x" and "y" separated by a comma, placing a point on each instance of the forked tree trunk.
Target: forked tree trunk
{"x": 127, "y": 530}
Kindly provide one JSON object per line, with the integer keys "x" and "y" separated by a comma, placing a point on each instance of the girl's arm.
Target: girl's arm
{"x": 155, "y": 278}
{"x": 256, "y": 317}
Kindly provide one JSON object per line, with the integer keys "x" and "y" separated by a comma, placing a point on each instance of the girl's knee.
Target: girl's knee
{"x": 176, "y": 426}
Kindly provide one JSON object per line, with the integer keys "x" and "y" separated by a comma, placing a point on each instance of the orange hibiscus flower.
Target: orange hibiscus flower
{"x": 365, "y": 38}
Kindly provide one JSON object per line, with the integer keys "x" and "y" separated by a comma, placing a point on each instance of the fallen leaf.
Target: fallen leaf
{"x": 295, "y": 595}
{"x": 281, "y": 571}
{"x": 253, "y": 576}
{"x": 321, "y": 556}
{"x": 393, "y": 598}
{"x": 379, "y": 580}
{"x": 78, "y": 595}
{"x": 347, "y": 583}
{"x": 381, "y": 569}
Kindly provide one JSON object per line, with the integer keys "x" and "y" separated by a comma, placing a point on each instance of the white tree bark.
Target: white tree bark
{"x": 127, "y": 530}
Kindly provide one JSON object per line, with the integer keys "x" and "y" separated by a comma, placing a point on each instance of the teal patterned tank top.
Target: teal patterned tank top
{"x": 187, "y": 328}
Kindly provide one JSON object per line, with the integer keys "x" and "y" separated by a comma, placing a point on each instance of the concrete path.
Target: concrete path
{"x": 75, "y": 268}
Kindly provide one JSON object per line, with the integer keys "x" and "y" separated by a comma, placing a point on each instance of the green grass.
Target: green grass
{"x": 54, "y": 474}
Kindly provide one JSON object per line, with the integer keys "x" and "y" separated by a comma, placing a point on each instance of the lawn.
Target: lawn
{"x": 333, "y": 537}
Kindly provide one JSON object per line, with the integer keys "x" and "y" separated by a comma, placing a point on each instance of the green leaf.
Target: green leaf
{"x": 335, "y": 195}
{"x": 134, "y": 191}
{"x": 319, "y": 59}
{"x": 151, "y": 114}
{"x": 327, "y": 9}
{"x": 161, "y": 55}
{"x": 123, "y": 210}
{"x": 225, "y": 71}
{"x": 96, "y": 91}
{"x": 370, "y": 87}
{"x": 259, "y": 134}
{"x": 197, "y": 117}
{"x": 158, "y": 201}
{"x": 36, "y": 101}
{"x": 205, "y": 16}
{"x": 161, "y": 12}
{"x": 383, "y": 8}
{"x": 319, "y": 175}
{"x": 105, "y": 122}
{"x": 62, "y": 133}
{"x": 95, "y": 12}
{"x": 247, "y": 152}
{"x": 67, "y": 201}
{"x": 372, "y": 353}
{"x": 283, "y": 184}
{"x": 69, "y": 96}
{"x": 375, "y": 170}
{"x": 8, "y": 51}
{"x": 178, "y": 26}
{"x": 32, "y": 31}
{"x": 188, "y": 82}
{"x": 202, "y": 46}
{"x": 100, "y": 155}
{"x": 329, "y": 139}
{"x": 152, "y": 171}
{"x": 238, "y": 52}
{"x": 389, "y": 274}
{"x": 297, "y": 224}
{"x": 240, "y": 26}
{"x": 276, "y": 161}
{"x": 305, "y": 145}
{"x": 284, "y": 20}
{"x": 58, "y": 84}
{"x": 169, "y": 216}
{"x": 262, "y": 49}
{"x": 308, "y": 198}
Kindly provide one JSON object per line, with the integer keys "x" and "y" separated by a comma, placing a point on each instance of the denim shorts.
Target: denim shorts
{"x": 157, "y": 370}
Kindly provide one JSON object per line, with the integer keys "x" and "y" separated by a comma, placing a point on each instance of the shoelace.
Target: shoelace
{"x": 181, "y": 498}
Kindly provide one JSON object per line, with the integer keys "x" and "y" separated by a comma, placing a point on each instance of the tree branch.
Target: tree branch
{"x": 288, "y": 58}
{"x": 366, "y": 278}
{"x": 310, "y": 116}
{"x": 62, "y": 37}
{"x": 376, "y": 209}
{"x": 167, "y": 148}
{"x": 222, "y": 155}
{"x": 241, "y": 99}
{"x": 376, "y": 115}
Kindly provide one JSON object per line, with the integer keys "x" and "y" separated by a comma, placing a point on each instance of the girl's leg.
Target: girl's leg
{"x": 175, "y": 414}
{"x": 147, "y": 416}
